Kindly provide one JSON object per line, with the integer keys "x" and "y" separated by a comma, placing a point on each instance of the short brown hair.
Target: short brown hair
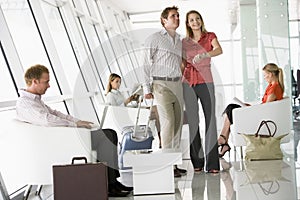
{"x": 165, "y": 13}
{"x": 34, "y": 72}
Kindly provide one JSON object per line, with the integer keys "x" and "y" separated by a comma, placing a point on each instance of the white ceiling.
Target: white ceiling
{"x": 216, "y": 13}
{"x": 219, "y": 15}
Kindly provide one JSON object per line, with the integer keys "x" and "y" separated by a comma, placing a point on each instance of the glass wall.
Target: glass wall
{"x": 7, "y": 82}
{"x": 83, "y": 41}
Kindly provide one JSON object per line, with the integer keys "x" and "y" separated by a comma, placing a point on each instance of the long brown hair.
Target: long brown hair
{"x": 277, "y": 71}
{"x": 111, "y": 78}
{"x": 189, "y": 32}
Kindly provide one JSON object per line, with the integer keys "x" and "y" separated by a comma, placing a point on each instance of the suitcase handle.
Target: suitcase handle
{"x": 79, "y": 158}
{"x": 133, "y": 136}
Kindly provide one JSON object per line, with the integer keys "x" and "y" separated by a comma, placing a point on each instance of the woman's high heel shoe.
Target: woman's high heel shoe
{"x": 223, "y": 152}
{"x": 224, "y": 138}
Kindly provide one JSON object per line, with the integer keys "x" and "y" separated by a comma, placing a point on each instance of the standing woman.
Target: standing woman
{"x": 198, "y": 48}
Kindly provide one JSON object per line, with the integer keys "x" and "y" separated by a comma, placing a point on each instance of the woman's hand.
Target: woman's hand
{"x": 199, "y": 57}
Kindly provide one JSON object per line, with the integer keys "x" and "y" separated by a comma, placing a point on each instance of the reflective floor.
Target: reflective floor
{"x": 238, "y": 179}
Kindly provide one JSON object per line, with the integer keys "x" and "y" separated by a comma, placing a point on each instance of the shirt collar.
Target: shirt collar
{"x": 165, "y": 32}
{"x": 24, "y": 93}
{"x": 114, "y": 91}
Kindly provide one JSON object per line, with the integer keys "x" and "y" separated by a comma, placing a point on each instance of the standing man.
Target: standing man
{"x": 163, "y": 78}
{"x": 30, "y": 108}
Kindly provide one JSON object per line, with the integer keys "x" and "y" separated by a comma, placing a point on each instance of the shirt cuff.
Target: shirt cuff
{"x": 147, "y": 88}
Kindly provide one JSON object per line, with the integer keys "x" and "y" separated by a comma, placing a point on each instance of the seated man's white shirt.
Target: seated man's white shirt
{"x": 30, "y": 108}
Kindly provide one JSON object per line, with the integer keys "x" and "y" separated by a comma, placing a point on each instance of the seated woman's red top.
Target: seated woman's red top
{"x": 273, "y": 89}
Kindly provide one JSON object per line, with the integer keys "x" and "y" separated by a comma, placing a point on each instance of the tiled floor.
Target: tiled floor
{"x": 238, "y": 180}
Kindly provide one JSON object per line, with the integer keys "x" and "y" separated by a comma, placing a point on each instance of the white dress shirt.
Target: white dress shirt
{"x": 30, "y": 108}
{"x": 163, "y": 57}
{"x": 115, "y": 98}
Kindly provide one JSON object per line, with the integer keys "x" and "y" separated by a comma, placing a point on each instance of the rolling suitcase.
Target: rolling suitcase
{"x": 135, "y": 137}
{"x": 80, "y": 181}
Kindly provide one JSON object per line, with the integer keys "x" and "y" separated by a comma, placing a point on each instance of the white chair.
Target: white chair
{"x": 247, "y": 119}
{"x": 28, "y": 152}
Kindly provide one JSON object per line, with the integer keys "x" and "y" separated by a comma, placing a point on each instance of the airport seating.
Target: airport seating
{"x": 28, "y": 151}
{"x": 247, "y": 119}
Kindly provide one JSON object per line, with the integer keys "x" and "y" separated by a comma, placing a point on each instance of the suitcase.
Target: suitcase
{"x": 135, "y": 137}
{"x": 80, "y": 181}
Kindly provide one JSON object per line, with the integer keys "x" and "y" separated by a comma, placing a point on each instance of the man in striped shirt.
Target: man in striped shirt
{"x": 163, "y": 58}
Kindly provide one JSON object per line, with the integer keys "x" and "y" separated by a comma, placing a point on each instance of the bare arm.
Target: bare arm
{"x": 217, "y": 49}
{"x": 183, "y": 65}
{"x": 271, "y": 97}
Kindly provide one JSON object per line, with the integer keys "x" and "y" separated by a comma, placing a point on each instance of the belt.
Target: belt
{"x": 166, "y": 78}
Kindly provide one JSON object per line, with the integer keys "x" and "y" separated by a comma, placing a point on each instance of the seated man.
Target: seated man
{"x": 30, "y": 108}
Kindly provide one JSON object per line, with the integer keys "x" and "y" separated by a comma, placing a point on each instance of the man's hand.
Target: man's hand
{"x": 149, "y": 96}
{"x": 84, "y": 124}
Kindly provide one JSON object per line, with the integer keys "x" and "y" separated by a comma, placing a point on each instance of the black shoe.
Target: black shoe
{"x": 123, "y": 187}
{"x": 116, "y": 192}
{"x": 177, "y": 173}
{"x": 224, "y": 148}
{"x": 181, "y": 171}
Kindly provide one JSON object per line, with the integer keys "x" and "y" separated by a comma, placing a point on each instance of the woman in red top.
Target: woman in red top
{"x": 274, "y": 76}
{"x": 198, "y": 48}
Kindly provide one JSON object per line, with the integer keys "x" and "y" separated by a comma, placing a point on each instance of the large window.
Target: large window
{"x": 7, "y": 88}
{"x": 26, "y": 38}
{"x": 62, "y": 43}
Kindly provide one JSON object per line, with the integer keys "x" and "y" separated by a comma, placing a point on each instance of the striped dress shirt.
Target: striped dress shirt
{"x": 30, "y": 108}
{"x": 163, "y": 57}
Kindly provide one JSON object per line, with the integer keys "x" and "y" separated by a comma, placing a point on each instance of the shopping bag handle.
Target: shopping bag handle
{"x": 79, "y": 158}
{"x": 265, "y": 122}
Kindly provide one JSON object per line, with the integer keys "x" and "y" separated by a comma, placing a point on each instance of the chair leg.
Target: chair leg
{"x": 234, "y": 149}
{"x": 241, "y": 149}
{"x": 27, "y": 192}
{"x": 38, "y": 189}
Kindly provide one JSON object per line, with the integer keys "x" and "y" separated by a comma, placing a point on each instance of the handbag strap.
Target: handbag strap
{"x": 265, "y": 122}
{"x": 269, "y": 190}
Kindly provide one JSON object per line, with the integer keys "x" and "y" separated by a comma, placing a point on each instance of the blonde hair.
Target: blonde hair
{"x": 189, "y": 32}
{"x": 277, "y": 71}
{"x": 111, "y": 78}
{"x": 34, "y": 72}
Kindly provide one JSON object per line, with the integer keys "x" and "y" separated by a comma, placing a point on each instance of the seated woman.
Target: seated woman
{"x": 115, "y": 98}
{"x": 274, "y": 91}
{"x": 113, "y": 95}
